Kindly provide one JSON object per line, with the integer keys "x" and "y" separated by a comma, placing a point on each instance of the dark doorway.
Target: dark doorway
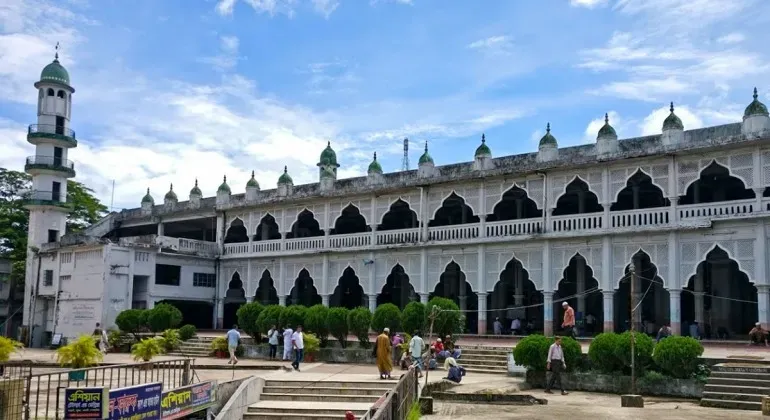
{"x": 348, "y": 293}
{"x": 514, "y": 205}
{"x": 651, "y": 300}
{"x": 399, "y": 216}
{"x": 235, "y": 297}
{"x": 267, "y": 229}
{"x": 639, "y": 193}
{"x": 577, "y": 199}
{"x": 453, "y": 211}
{"x": 452, "y": 285}
{"x": 237, "y": 232}
{"x": 397, "y": 289}
{"x": 305, "y": 226}
{"x": 200, "y": 314}
{"x": 515, "y": 296}
{"x": 266, "y": 293}
{"x": 304, "y": 291}
{"x": 579, "y": 298}
{"x": 350, "y": 221}
{"x": 716, "y": 184}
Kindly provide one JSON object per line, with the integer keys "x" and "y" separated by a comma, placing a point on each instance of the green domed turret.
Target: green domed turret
{"x": 285, "y": 178}
{"x": 548, "y": 139}
{"x": 755, "y": 107}
{"x": 483, "y": 149}
{"x": 55, "y": 72}
{"x": 672, "y": 122}
{"x": 224, "y": 188}
{"x": 171, "y": 195}
{"x": 148, "y": 198}
{"x": 374, "y": 167}
{"x": 327, "y": 173}
{"x": 328, "y": 156}
{"x": 252, "y": 183}
{"x": 425, "y": 158}
{"x": 607, "y": 130}
{"x": 195, "y": 190}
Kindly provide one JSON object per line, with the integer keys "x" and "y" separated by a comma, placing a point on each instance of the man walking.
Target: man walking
{"x": 233, "y": 337}
{"x": 556, "y": 365}
{"x": 298, "y": 343}
{"x": 569, "y": 320}
{"x": 272, "y": 339}
{"x": 416, "y": 344}
{"x": 287, "y": 334}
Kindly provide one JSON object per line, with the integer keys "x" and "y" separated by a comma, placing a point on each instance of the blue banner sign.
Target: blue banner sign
{"x": 183, "y": 401}
{"x": 86, "y": 403}
{"x": 136, "y": 403}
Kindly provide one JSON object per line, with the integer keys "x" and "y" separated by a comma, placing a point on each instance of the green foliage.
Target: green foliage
{"x": 79, "y": 354}
{"x": 132, "y": 321}
{"x": 247, "y": 319}
{"x": 573, "y": 352}
{"x": 163, "y": 316}
{"x": 678, "y": 356}
{"x": 337, "y": 323}
{"x": 642, "y": 349}
{"x": 8, "y": 347}
{"x": 312, "y": 343}
{"x": 405, "y": 345}
{"x": 169, "y": 340}
{"x": 86, "y": 209}
{"x": 413, "y": 317}
{"x": 146, "y": 349}
{"x": 119, "y": 340}
{"x": 448, "y": 318}
{"x": 315, "y": 322}
{"x": 270, "y": 316}
{"x": 532, "y": 352}
{"x": 414, "y": 411}
{"x": 219, "y": 344}
{"x": 293, "y": 315}
{"x": 386, "y": 316}
{"x": 187, "y": 332}
{"x": 602, "y": 353}
{"x": 652, "y": 378}
{"x": 359, "y": 320}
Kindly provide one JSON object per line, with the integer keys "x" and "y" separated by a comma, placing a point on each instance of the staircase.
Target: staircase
{"x": 738, "y": 386}
{"x": 316, "y": 400}
{"x": 194, "y": 347}
{"x": 482, "y": 359}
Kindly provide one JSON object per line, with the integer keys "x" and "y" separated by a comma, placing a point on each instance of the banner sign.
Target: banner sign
{"x": 136, "y": 403}
{"x": 183, "y": 401}
{"x": 86, "y": 403}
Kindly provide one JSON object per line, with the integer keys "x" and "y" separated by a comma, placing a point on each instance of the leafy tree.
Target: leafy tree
{"x": 315, "y": 322}
{"x": 448, "y": 318}
{"x": 163, "y": 316}
{"x": 132, "y": 321}
{"x": 86, "y": 209}
{"x": 337, "y": 323}
{"x": 359, "y": 321}
{"x": 386, "y": 316}
{"x": 247, "y": 319}
{"x": 413, "y": 317}
{"x": 293, "y": 315}
{"x": 270, "y": 316}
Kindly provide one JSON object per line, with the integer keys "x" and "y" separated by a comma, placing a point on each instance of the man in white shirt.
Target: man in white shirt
{"x": 556, "y": 364}
{"x": 516, "y": 326}
{"x": 298, "y": 343}
{"x": 416, "y": 344}
{"x": 498, "y": 326}
{"x": 287, "y": 333}
{"x": 233, "y": 337}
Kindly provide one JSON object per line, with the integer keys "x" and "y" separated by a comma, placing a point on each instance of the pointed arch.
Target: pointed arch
{"x": 453, "y": 285}
{"x": 397, "y": 289}
{"x": 348, "y": 293}
{"x": 716, "y": 184}
{"x": 266, "y": 292}
{"x": 267, "y": 229}
{"x": 399, "y": 216}
{"x": 577, "y": 198}
{"x": 304, "y": 291}
{"x": 236, "y": 232}
{"x": 515, "y": 296}
{"x": 453, "y": 211}
{"x": 305, "y": 226}
{"x": 235, "y": 296}
{"x": 579, "y": 287}
{"x": 641, "y": 192}
{"x": 350, "y": 221}
{"x": 652, "y": 300}
{"x": 514, "y": 204}
{"x": 716, "y": 247}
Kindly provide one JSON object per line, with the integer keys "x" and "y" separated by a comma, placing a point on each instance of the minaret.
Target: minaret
{"x": 50, "y": 169}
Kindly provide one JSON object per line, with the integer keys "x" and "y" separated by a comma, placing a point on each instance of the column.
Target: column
{"x": 518, "y": 291}
{"x": 283, "y": 231}
{"x": 325, "y": 278}
{"x": 325, "y": 300}
{"x": 547, "y": 313}
{"x": 372, "y": 303}
{"x": 220, "y": 233}
{"x": 482, "y": 318}
{"x": 606, "y": 200}
{"x": 638, "y": 293}
{"x": 581, "y": 284}
{"x": 675, "y": 313}
{"x": 281, "y": 289}
{"x": 423, "y": 272}
{"x": 481, "y": 281}
{"x": 482, "y": 212}
{"x": 760, "y": 264}
{"x": 373, "y": 220}
{"x": 282, "y": 300}
{"x": 698, "y": 299}
{"x": 423, "y": 215}
{"x": 372, "y": 292}
{"x": 327, "y": 228}
{"x": 673, "y": 196}
{"x": 424, "y": 298}
{"x": 608, "y": 308}
{"x": 160, "y": 229}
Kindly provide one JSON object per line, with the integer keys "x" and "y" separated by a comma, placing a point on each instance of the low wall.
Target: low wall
{"x": 247, "y": 393}
{"x": 354, "y": 355}
{"x": 224, "y": 391}
{"x": 619, "y": 384}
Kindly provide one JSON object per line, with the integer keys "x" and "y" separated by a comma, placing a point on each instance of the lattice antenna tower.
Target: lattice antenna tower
{"x": 405, "y": 161}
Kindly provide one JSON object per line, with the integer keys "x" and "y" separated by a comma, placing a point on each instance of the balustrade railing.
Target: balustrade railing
{"x": 575, "y": 222}
{"x": 299, "y": 244}
{"x": 719, "y": 209}
{"x": 198, "y": 247}
{"x": 350, "y": 240}
{"x": 454, "y": 232}
{"x": 273, "y": 245}
{"x": 515, "y": 227}
{"x": 237, "y": 248}
{"x": 640, "y": 218}
{"x": 401, "y": 236}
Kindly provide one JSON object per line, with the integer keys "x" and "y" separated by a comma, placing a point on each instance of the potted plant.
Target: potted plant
{"x": 170, "y": 340}
{"x": 312, "y": 344}
{"x": 146, "y": 349}
{"x": 79, "y": 354}
{"x": 219, "y": 347}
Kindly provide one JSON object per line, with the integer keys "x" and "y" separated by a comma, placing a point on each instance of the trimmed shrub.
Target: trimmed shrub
{"x": 602, "y": 353}
{"x": 413, "y": 317}
{"x": 270, "y": 316}
{"x": 132, "y": 321}
{"x": 187, "y": 332}
{"x": 386, "y": 316}
{"x": 169, "y": 340}
{"x": 312, "y": 343}
{"x": 337, "y": 323}
{"x": 643, "y": 351}
{"x": 292, "y": 316}
{"x": 532, "y": 352}
{"x": 163, "y": 316}
{"x": 359, "y": 321}
{"x": 247, "y": 319}
{"x": 678, "y": 356}
{"x": 315, "y": 322}
{"x": 448, "y": 318}
{"x": 573, "y": 353}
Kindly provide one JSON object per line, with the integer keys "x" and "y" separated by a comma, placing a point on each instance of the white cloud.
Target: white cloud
{"x": 228, "y": 55}
{"x": 498, "y": 42}
{"x": 590, "y": 4}
{"x": 325, "y": 7}
{"x": 731, "y": 38}
{"x": 225, "y": 7}
{"x": 407, "y": 2}
{"x": 593, "y": 127}
{"x": 653, "y": 123}
{"x": 276, "y": 7}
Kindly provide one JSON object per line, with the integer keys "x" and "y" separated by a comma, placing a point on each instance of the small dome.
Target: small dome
{"x": 328, "y": 156}
{"x": 224, "y": 188}
{"x": 252, "y": 183}
{"x": 755, "y": 107}
{"x": 285, "y": 178}
{"x": 327, "y": 173}
{"x": 425, "y": 158}
{"x": 170, "y": 195}
{"x": 55, "y": 73}
{"x": 672, "y": 122}
{"x": 548, "y": 139}
{"x": 374, "y": 167}
{"x": 148, "y": 198}
{"x": 483, "y": 149}
{"x": 195, "y": 190}
{"x": 607, "y": 130}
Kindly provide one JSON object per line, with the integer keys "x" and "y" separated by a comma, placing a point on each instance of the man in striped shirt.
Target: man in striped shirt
{"x": 556, "y": 364}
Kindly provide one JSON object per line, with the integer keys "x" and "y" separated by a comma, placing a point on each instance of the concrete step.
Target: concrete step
{"x": 733, "y": 405}
{"x": 306, "y": 397}
{"x": 485, "y": 351}
{"x": 385, "y": 385}
{"x": 375, "y": 392}
{"x": 500, "y": 360}
{"x": 487, "y": 371}
{"x": 741, "y": 368}
{"x": 726, "y": 396}
{"x": 490, "y": 365}
{"x": 741, "y": 375}
{"x": 753, "y": 383}
{"x": 737, "y": 389}
{"x": 260, "y": 415}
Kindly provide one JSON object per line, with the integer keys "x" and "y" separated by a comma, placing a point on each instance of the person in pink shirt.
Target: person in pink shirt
{"x": 569, "y": 320}
{"x": 396, "y": 342}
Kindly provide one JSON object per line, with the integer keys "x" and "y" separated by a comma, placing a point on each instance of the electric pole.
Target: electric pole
{"x": 633, "y": 327}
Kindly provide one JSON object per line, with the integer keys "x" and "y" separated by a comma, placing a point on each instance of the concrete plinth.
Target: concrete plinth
{"x": 766, "y": 406}
{"x": 633, "y": 401}
{"x": 426, "y": 405}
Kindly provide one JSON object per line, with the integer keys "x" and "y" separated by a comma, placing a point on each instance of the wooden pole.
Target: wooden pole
{"x": 432, "y": 317}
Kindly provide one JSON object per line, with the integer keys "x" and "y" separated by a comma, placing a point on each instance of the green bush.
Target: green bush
{"x": 532, "y": 352}
{"x": 311, "y": 342}
{"x": 448, "y": 318}
{"x": 678, "y": 356}
{"x": 602, "y": 353}
{"x": 132, "y": 321}
{"x": 187, "y": 332}
{"x": 270, "y": 316}
{"x": 315, "y": 322}
{"x": 163, "y": 316}
{"x": 247, "y": 319}
{"x": 573, "y": 353}
{"x": 359, "y": 321}
{"x": 413, "y": 317}
{"x": 643, "y": 351}
{"x": 292, "y": 316}
{"x": 169, "y": 340}
{"x": 386, "y": 316}
{"x": 337, "y": 323}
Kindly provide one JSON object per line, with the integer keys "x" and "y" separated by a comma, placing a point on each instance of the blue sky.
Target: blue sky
{"x": 167, "y": 91}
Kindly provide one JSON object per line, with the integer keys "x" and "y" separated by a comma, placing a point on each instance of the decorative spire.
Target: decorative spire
{"x": 171, "y": 188}
{"x": 285, "y": 169}
{"x": 548, "y": 140}
{"x": 606, "y": 118}
{"x": 426, "y": 146}
{"x": 607, "y": 130}
{"x": 196, "y": 182}
{"x": 672, "y": 107}
{"x": 285, "y": 178}
{"x": 483, "y": 150}
{"x": 755, "y": 107}
{"x": 672, "y": 122}
{"x": 548, "y": 128}
{"x": 425, "y": 158}
{"x": 374, "y": 167}
{"x": 483, "y": 138}
{"x": 224, "y": 178}
{"x": 755, "y": 93}
{"x": 195, "y": 190}
{"x": 56, "y": 55}
{"x": 224, "y": 188}
{"x": 375, "y": 155}
{"x": 252, "y": 183}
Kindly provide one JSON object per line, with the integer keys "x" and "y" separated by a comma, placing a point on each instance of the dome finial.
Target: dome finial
{"x": 171, "y": 188}
{"x": 56, "y": 55}
{"x": 375, "y": 155}
{"x": 252, "y": 173}
{"x": 328, "y": 143}
{"x": 755, "y": 93}
{"x": 483, "y": 138}
{"x": 606, "y": 118}
{"x": 426, "y": 146}
{"x": 672, "y": 107}
{"x": 224, "y": 178}
{"x": 196, "y": 182}
{"x": 148, "y": 190}
{"x": 547, "y": 128}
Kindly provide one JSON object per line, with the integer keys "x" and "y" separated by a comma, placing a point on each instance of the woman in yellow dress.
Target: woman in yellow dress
{"x": 384, "y": 357}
